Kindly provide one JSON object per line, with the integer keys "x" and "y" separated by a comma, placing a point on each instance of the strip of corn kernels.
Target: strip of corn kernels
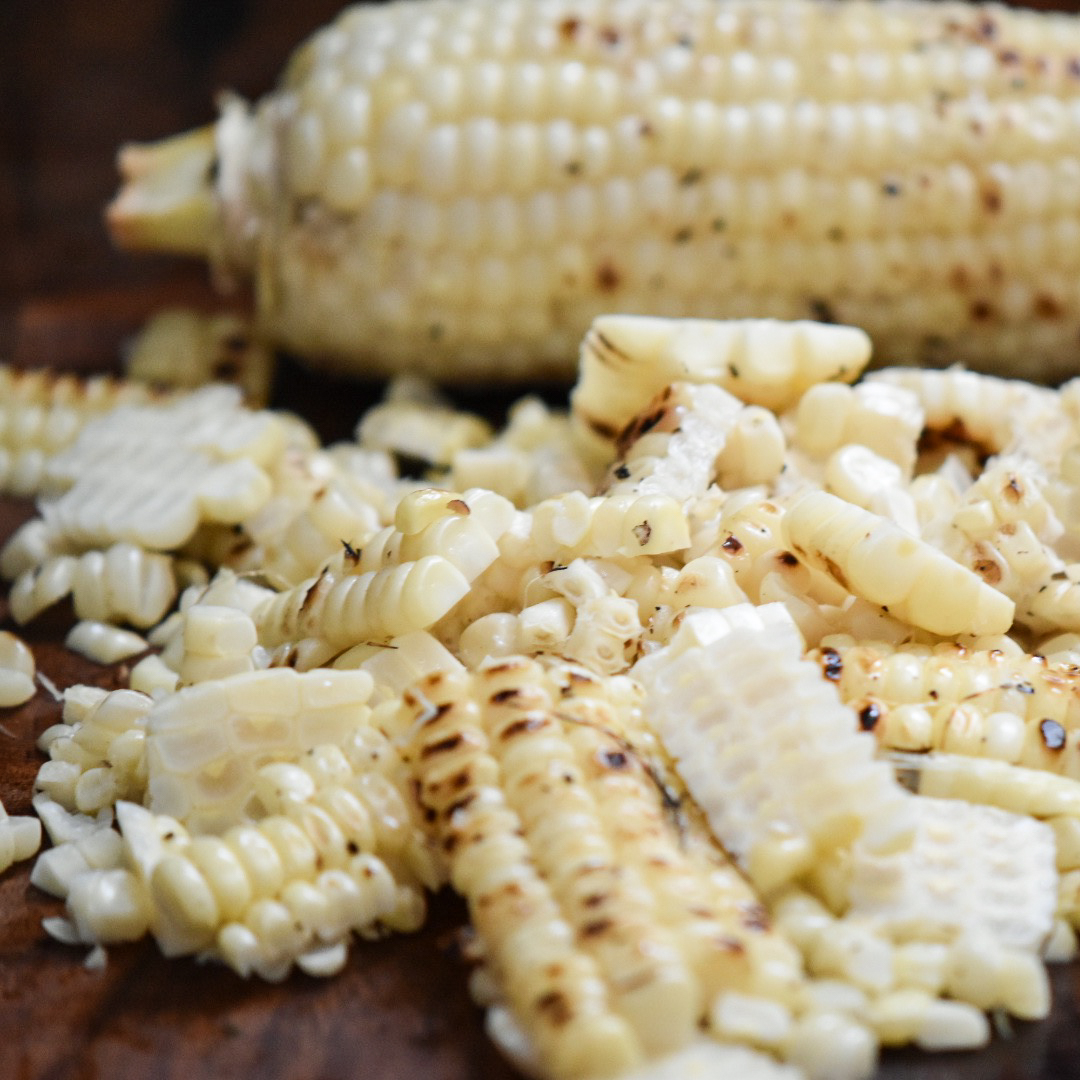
{"x": 553, "y": 986}
{"x": 1014, "y": 707}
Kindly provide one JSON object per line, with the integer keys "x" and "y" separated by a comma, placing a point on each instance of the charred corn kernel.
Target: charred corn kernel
{"x": 737, "y": 740}
{"x": 993, "y": 414}
{"x": 611, "y": 911}
{"x": 204, "y": 742}
{"x": 573, "y": 525}
{"x": 880, "y": 562}
{"x": 183, "y": 349}
{"x": 671, "y": 446}
{"x": 351, "y": 608}
{"x": 698, "y": 892}
{"x": 625, "y": 361}
{"x": 748, "y": 534}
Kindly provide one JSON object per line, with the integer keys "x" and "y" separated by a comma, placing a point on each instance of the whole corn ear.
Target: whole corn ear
{"x": 461, "y": 187}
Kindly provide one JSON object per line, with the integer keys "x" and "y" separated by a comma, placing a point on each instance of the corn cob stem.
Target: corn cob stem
{"x": 168, "y": 201}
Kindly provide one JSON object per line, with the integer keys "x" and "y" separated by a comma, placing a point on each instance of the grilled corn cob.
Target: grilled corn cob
{"x": 461, "y": 187}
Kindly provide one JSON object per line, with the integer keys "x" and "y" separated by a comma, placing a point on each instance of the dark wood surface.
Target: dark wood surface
{"x": 78, "y": 78}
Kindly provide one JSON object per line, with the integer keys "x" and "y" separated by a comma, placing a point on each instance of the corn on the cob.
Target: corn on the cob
{"x": 461, "y": 187}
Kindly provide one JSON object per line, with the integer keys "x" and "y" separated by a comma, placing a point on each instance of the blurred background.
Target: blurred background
{"x": 78, "y": 79}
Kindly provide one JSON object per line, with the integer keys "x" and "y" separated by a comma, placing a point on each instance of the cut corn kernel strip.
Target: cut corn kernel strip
{"x": 205, "y": 742}
{"x": 626, "y": 360}
{"x": 206, "y": 455}
{"x": 723, "y": 709}
{"x": 1012, "y": 706}
{"x": 887, "y": 566}
{"x": 969, "y": 868}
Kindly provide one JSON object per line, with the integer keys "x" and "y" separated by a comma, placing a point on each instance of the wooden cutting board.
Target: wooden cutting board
{"x": 400, "y": 1010}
